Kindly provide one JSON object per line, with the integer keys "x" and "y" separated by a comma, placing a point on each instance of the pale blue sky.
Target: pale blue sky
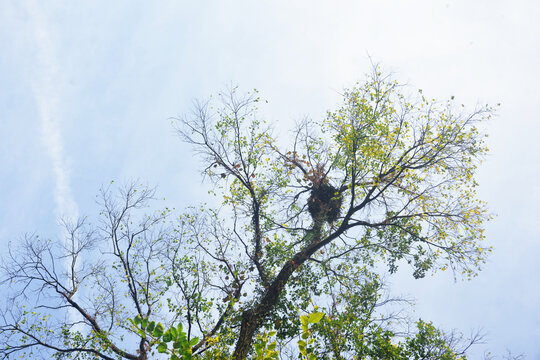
{"x": 87, "y": 90}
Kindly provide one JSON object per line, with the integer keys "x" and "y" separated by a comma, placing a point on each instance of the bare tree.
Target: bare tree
{"x": 73, "y": 297}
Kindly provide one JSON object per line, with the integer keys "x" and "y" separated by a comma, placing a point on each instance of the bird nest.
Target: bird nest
{"x": 324, "y": 203}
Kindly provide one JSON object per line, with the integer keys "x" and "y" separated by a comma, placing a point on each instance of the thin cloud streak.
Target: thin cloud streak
{"x": 48, "y": 95}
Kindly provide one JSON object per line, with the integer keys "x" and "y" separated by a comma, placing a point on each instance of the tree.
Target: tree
{"x": 301, "y": 227}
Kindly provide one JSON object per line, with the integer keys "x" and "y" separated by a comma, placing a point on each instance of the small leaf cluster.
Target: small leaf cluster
{"x": 181, "y": 346}
{"x": 306, "y": 341}
{"x": 264, "y": 349}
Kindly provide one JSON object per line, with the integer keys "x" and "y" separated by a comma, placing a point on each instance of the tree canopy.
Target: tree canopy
{"x": 290, "y": 262}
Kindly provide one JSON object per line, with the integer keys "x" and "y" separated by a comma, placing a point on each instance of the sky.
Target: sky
{"x": 88, "y": 89}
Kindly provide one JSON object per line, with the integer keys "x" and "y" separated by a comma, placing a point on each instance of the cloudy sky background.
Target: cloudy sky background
{"x": 87, "y": 91}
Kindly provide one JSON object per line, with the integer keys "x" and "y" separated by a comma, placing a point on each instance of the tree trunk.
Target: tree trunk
{"x": 250, "y": 323}
{"x": 252, "y": 318}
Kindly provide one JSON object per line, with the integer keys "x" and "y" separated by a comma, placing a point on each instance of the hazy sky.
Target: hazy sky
{"x": 87, "y": 90}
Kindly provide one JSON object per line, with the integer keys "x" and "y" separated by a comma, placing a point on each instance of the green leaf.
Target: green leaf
{"x": 162, "y": 348}
{"x": 315, "y": 317}
{"x": 151, "y": 326}
{"x": 137, "y": 320}
{"x": 144, "y": 323}
{"x": 158, "y": 330}
{"x": 302, "y": 349}
{"x": 174, "y": 332}
{"x": 193, "y": 341}
{"x": 167, "y": 336}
